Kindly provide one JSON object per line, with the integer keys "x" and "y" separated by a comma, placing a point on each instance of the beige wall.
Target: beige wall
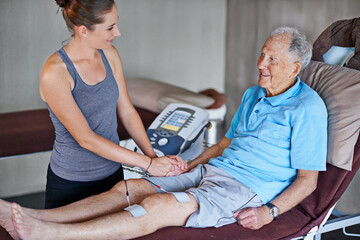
{"x": 29, "y": 32}
{"x": 178, "y": 42}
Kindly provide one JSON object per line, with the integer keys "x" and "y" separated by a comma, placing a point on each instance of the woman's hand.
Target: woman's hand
{"x": 179, "y": 163}
{"x": 162, "y": 166}
{"x": 182, "y": 167}
{"x": 178, "y": 172}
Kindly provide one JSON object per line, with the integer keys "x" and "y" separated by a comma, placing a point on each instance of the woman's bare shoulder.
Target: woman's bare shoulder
{"x": 111, "y": 51}
{"x": 54, "y": 66}
{"x": 112, "y": 54}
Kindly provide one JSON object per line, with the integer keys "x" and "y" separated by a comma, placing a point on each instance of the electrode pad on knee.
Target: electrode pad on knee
{"x": 136, "y": 210}
{"x": 181, "y": 196}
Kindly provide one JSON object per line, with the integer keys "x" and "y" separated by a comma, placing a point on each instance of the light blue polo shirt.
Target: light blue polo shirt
{"x": 272, "y": 137}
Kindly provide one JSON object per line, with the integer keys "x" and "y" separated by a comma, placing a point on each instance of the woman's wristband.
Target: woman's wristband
{"x": 149, "y": 164}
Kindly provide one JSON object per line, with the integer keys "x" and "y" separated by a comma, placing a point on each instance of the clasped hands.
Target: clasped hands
{"x": 170, "y": 165}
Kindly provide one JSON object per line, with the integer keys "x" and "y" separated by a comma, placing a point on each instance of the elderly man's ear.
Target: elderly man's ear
{"x": 296, "y": 69}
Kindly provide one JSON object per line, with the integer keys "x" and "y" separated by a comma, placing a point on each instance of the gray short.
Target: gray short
{"x": 219, "y": 195}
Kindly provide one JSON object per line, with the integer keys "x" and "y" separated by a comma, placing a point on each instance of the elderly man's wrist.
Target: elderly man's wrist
{"x": 273, "y": 210}
{"x": 192, "y": 164}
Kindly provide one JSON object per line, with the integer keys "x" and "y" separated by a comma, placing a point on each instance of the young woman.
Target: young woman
{"x": 84, "y": 88}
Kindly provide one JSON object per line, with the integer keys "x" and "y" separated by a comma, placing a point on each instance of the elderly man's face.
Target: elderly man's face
{"x": 276, "y": 71}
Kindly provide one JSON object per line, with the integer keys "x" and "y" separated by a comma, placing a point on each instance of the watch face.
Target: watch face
{"x": 274, "y": 211}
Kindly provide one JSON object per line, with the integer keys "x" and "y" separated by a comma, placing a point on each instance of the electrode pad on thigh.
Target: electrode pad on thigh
{"x": 136, "y": 210}
{"x": 181, "y": 196}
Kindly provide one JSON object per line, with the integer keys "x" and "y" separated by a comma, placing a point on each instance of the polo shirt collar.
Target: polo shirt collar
{"x": 277, "y": 100}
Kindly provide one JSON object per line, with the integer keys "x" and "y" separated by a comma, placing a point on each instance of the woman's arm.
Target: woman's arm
{"x": 128, "y": 115}
{"x": 55, "y": 89}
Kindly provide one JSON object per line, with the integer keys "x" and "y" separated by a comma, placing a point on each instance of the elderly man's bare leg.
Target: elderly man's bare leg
{"x": 5, "y": 219}
{"x": 89, "y": 208}
{"x": 161, "y": 210}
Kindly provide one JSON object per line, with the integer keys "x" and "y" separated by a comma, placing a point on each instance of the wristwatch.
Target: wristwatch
{"x": 273, "y": 210}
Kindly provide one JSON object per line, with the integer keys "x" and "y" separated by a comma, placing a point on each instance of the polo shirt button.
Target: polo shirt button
{"x": 256, "y": 111}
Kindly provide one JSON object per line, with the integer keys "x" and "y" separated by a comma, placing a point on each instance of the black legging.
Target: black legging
{"x": 60, "y": 192}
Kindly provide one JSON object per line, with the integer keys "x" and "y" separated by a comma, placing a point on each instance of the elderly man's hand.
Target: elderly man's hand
{"x": 180, "y": 167}
{"x": 253, "y": 218}
{"x": 178, "y": 163}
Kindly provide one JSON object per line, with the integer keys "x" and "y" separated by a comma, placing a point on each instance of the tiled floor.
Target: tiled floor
{"x": 36, "y": 200}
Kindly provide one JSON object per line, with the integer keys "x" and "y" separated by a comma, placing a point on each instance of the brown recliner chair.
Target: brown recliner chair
{"x": 342, "y": 33}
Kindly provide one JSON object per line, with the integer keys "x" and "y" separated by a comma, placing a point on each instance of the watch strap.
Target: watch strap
{"x": 270, "y": 205}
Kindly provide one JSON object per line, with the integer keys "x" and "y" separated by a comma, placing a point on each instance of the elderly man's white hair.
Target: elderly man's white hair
{"x": 300, "y": 48}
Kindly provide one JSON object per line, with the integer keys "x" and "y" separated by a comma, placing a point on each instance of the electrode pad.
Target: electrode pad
{"x": 181, "y": 196}
{"x": 136, "y": 210}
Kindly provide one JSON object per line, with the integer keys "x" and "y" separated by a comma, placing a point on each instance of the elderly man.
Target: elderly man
{"x": 266, "y": 164}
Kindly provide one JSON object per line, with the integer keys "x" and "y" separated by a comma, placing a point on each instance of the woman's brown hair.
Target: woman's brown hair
{"x": 84, "y": 12}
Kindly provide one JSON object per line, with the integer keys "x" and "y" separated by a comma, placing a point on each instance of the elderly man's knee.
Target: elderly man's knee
{"x": 156, "y": 202}
{"x": 138, "y": 189}
{"x": 167, "y": 202}
{"x": 162, "y": 208}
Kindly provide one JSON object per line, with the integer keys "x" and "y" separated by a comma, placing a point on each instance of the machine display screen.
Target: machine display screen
{"x": 176, "y": 120}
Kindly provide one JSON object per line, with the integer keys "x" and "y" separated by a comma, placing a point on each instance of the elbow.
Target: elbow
{"x": 308, "y": 181}
{"x": 314, "y": 185}
{"x": 223, "y": 144}
{"x": 311, "y": 186}
{"x": 86, "y": 142}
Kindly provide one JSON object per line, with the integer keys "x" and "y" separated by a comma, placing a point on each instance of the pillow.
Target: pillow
{"x": 339, "y": 87}
{"x": 154, "y": 96}
{"x": 338, "y": 55}
{"x": 187, "y": 97}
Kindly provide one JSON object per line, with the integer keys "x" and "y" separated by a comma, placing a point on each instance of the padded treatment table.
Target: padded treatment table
{"x": 32, "y": 131}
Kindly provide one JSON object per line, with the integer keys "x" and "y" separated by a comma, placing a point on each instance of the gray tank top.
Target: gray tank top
{"x": 98, "y": 104}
